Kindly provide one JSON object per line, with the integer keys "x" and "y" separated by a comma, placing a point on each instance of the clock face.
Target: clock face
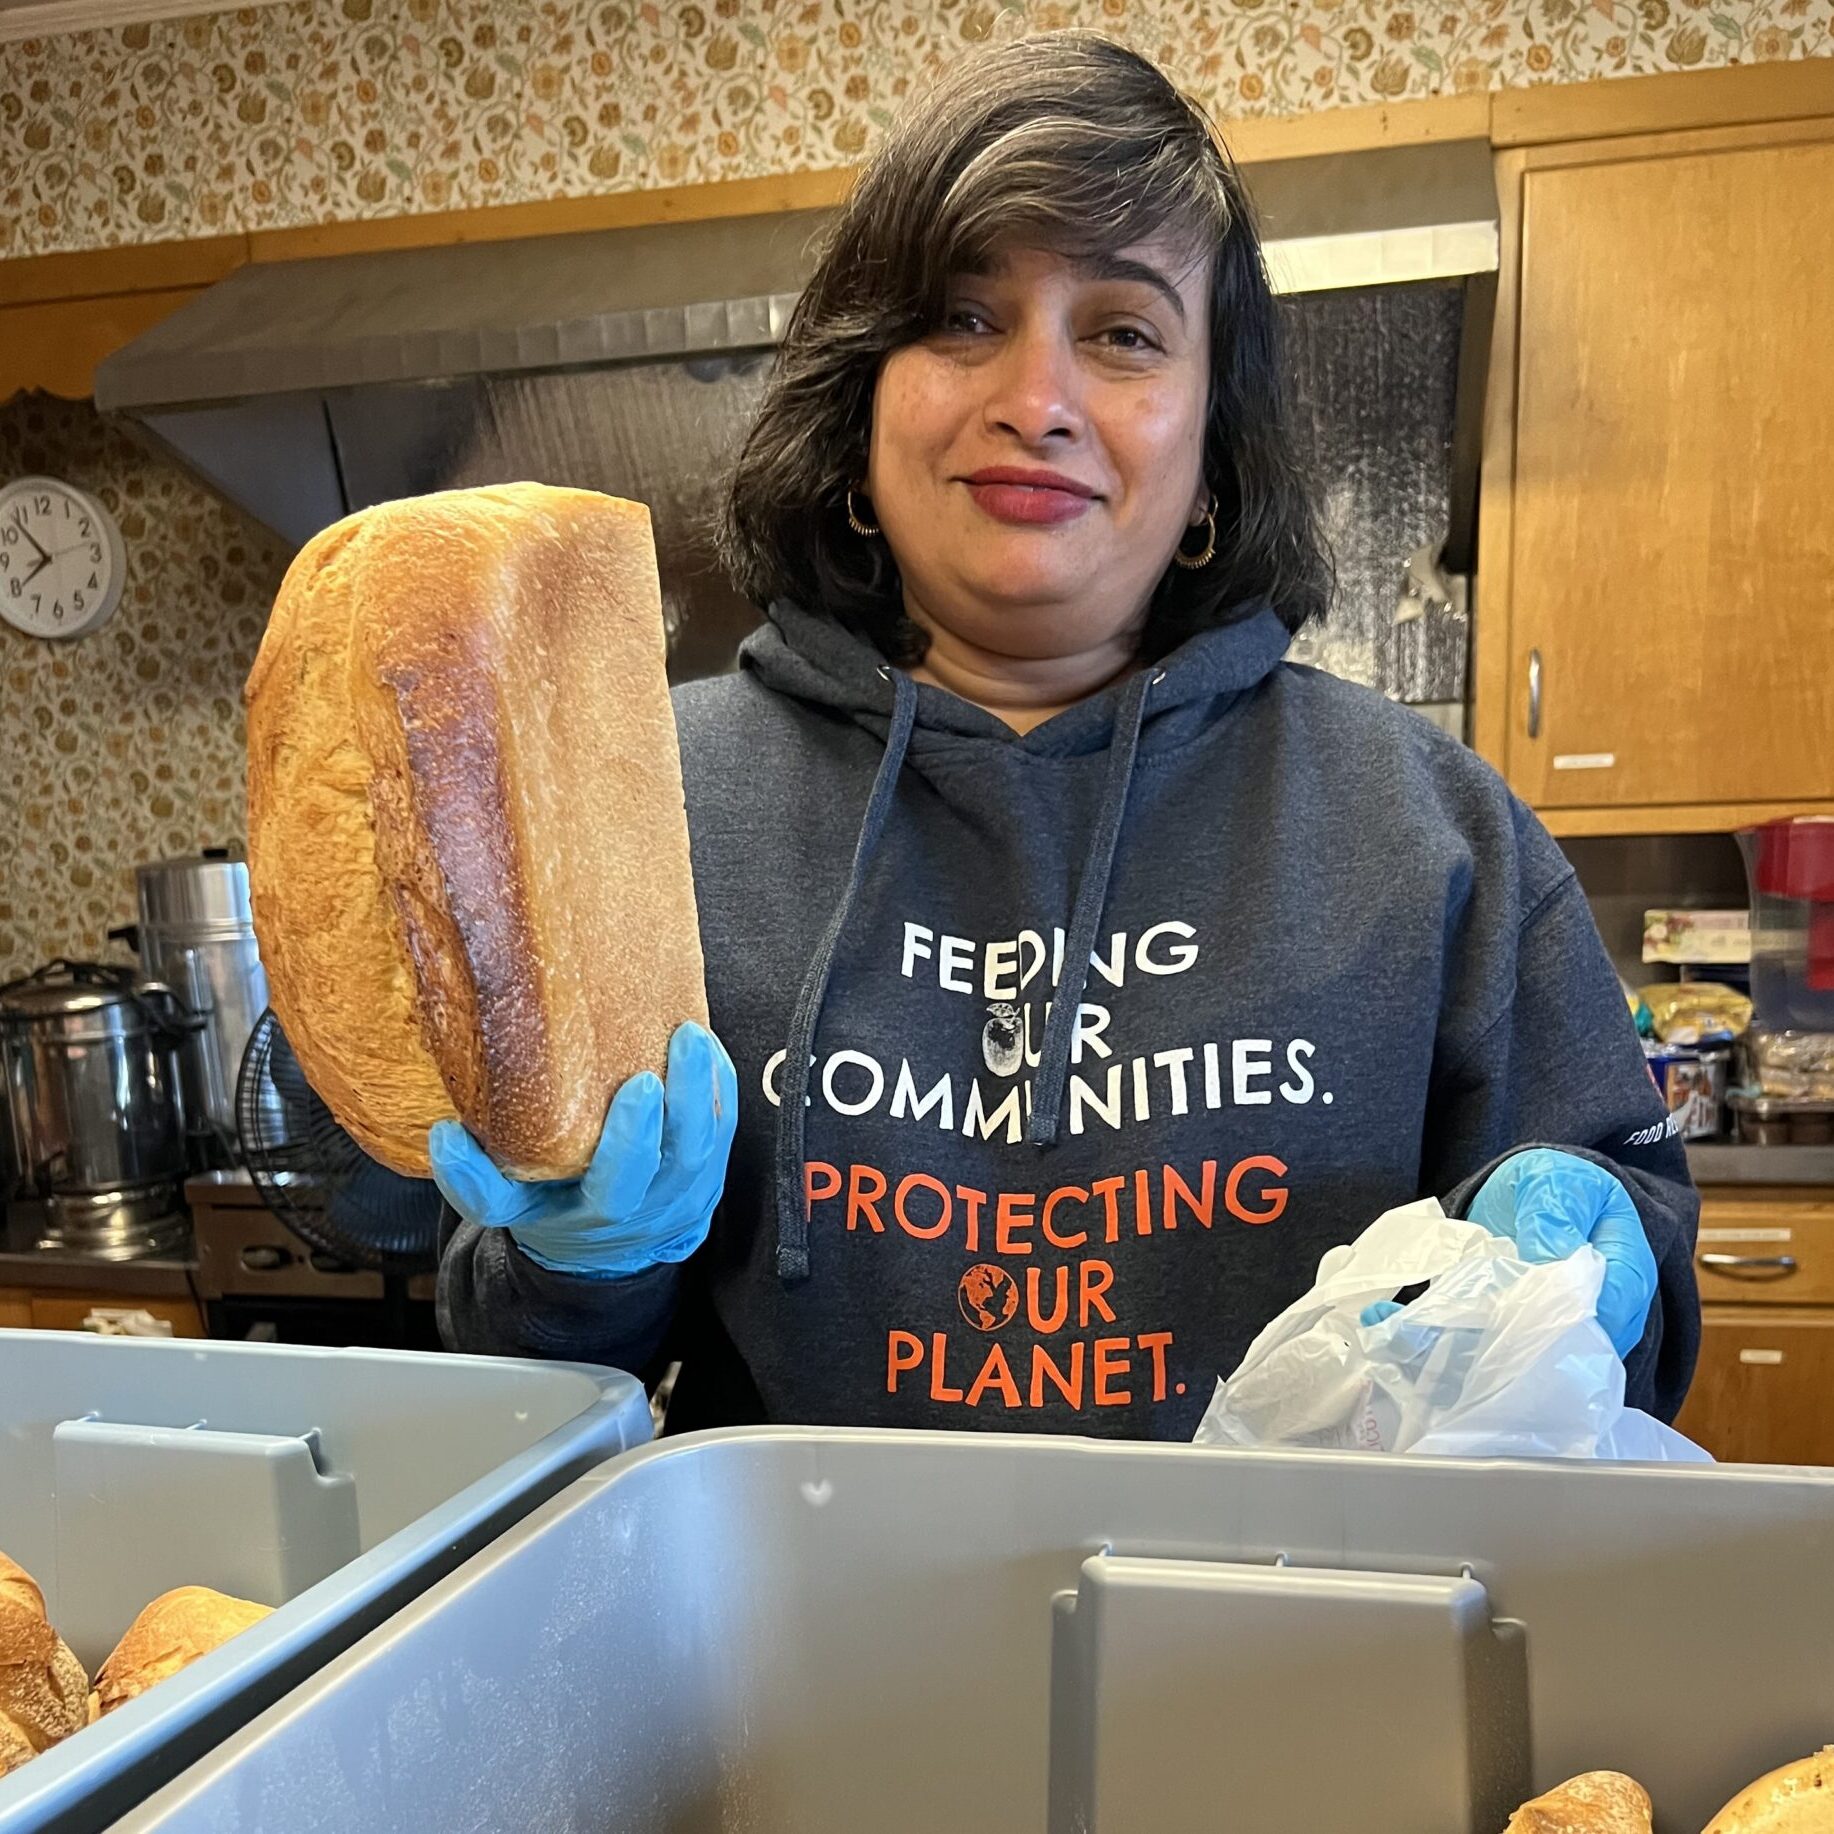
{"x": 61, "y": 560}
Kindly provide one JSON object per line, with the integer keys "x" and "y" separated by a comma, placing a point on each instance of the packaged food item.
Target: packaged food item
{"x": 1714, "y": 937}
{"x": 1793, "y": 1065}
{"x": 1697, "y": 1012}
{"x": 1639, "y": 1013}
{"x": 1693, "y": 1084}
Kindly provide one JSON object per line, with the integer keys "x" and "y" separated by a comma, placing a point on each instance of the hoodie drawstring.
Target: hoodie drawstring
{"x": 1060, "y": 1029}
{"x": 1091, "y": 895}
{"x": 792, "y": 1200}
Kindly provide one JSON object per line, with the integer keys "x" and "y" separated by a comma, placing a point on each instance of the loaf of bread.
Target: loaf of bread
{"x": 468, "y": 854}
{"x": 171, "y": 1633}
{"x": 1600, "y": 1802}
{"x": 42, "y": 1684}
{"x": 1798, "y": 1799}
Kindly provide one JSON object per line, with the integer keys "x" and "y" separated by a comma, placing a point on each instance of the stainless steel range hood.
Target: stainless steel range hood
{"x": 623, "y": 360}
{"x": 1404, "y": 214}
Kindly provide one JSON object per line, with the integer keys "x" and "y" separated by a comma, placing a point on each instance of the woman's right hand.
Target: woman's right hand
{"x": 650, "y": 1191}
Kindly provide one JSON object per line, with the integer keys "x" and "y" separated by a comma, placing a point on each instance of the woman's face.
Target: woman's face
{"x": 1037, "y": 458}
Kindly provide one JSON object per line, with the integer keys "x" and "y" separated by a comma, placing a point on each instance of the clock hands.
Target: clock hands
{"x": 19, "y": 523}
{"x": 44, "y": 558}
{"x": 47, "y": 554}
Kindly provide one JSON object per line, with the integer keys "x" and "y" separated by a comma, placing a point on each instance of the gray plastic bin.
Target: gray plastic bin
{"x": 334, "y": 1484}
{"x": 808, "y": 1632}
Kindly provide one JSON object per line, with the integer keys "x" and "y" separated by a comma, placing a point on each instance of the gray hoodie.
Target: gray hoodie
{"x": 1062, "y": 1058}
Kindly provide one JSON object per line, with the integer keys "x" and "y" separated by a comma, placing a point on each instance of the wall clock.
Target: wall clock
{"x": 62, "y": 565}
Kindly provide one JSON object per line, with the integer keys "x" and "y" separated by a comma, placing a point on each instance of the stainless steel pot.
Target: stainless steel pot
{"x": 92, "y": 1083}
{"x": 196, "y": 935}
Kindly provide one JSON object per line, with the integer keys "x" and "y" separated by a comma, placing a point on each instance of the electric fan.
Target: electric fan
{"x": 319, "y": 1182}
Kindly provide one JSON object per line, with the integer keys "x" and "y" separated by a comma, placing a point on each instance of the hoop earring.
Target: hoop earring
{"x": 1191, "y": 562}
{"x": 854, "y": 521}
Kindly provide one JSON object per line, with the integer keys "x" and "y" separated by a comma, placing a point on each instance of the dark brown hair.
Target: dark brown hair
{"x": 1063, "y": 141}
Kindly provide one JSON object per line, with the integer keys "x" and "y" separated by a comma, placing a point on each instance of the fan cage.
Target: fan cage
{"x": 315, "y": 1177}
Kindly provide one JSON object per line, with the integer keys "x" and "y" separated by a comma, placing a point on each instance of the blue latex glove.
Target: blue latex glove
{"x": 1550, "y": 1203}
{"x": 650, "y": 1191}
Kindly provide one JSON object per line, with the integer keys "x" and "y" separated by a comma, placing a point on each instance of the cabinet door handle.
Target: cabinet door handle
{"x": 1751, "y": 1267}
{"x": 1534, "y": 694}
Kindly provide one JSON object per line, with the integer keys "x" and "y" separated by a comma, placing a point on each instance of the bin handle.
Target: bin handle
{"x": 1751, "y": 1267}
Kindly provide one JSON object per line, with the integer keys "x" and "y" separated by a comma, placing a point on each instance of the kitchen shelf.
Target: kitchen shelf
{"x": 1713, "y": 1162}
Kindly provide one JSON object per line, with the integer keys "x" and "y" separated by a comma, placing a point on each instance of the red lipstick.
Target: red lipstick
{"x": 1022, "y": 493}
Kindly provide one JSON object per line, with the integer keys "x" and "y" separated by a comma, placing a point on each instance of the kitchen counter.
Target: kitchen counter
{"x": 22, "y": 1264}
{"x": 1713, "y": 1162}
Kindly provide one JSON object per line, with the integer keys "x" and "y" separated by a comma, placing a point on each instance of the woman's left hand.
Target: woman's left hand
{"x": 1550, "y": 1203}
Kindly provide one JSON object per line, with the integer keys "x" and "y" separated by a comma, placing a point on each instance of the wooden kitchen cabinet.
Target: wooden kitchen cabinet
{"x": 1765, "y": 1245}
{"x": 1657, "y": 574}
{"x": 62, "y": 1310}
{"x": 1764, "y": 1389}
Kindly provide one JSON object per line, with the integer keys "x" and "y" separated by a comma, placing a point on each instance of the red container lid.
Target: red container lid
{"x": 1795, "y": 859}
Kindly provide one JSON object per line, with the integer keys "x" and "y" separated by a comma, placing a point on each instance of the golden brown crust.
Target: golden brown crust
{"x": 18, "y": 1587}
{"x": 1600, "y": 1802}
{"x": 42, "y": 1685}
{"x": 1796, "y": 1799}
{"x": 335, "y": 976}
{"x": 468, "y": 851}
{"x": 172, "y": 1632}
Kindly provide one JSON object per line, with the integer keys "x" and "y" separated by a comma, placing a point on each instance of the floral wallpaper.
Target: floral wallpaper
{"x": 126, "y": 745}
{"x": 331, "y": 109}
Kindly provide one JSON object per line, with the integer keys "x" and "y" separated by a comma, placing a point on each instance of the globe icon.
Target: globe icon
{"x": 988, "y": 1296}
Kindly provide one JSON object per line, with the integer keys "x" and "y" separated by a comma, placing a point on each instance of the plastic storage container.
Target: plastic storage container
{"x": 831, "y": 1632}
{"x": 1790, "y": 867}
{"x": 1795, "y": 1066}
{"x": 1772, "y": 1120}
{"x": 335, "y": 1484}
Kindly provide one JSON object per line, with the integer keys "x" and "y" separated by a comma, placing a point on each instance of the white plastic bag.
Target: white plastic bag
{"x": 1499, "y": 1357}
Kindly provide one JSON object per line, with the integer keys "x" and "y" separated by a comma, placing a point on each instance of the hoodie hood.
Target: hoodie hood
{"x": 816, "y": 660}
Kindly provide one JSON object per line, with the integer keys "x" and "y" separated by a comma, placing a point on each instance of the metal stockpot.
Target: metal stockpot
{"x": 92, "y": 1081}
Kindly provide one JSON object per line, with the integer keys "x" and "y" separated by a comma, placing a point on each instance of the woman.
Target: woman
{"x": 1087, "y": 971}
